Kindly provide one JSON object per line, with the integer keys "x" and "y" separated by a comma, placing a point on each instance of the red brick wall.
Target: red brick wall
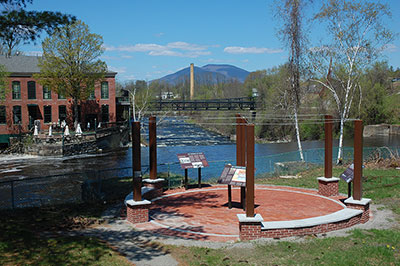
{"x": 250, "y": 231}
{"x": 137, "y": 214}
{"x": 365, "y": 208}
{"x": 10, "y": 128}
{"x": 328, "y": 188}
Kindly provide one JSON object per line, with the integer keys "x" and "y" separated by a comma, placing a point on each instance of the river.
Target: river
{"x": 174, "y": 136}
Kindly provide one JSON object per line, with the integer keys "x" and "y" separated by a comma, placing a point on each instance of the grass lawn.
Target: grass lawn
{"x": 360, "y": 247}
{"x": 372, "y": 247}
{"x": 29, "y": 236}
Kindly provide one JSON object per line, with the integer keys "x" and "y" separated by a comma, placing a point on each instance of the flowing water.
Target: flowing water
{"x": 173, "y": 136}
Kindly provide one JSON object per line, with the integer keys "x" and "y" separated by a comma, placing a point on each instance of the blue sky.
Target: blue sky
{"x": 148, "y": 39}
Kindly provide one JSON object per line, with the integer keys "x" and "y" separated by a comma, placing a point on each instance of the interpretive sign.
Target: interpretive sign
{"x": 348, "y": 174}
{"x": 233, "y": 175}
{"x": 192, "y": 160}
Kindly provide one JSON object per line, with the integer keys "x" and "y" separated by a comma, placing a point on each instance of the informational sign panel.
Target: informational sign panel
{"x": 348, "y": 174}
{"x": 192, "y": 160}
{"x": 233, "y": 175}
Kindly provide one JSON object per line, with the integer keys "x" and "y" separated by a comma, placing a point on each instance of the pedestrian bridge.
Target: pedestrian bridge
{"x": 243, "y": 103}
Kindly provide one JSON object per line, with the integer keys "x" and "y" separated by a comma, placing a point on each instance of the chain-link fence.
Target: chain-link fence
{"x": 115, "y": 184}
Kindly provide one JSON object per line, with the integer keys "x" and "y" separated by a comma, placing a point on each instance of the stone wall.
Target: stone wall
{"x": 381, "y": 130}
{"x": 80, "y": 148}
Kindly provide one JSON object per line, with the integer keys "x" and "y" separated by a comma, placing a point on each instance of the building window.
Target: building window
{"x": 62, "y": 112}
{"x": 104, "y": 113}
{"x": 61, "y": 92}
{"x": 16, "y": 90}
{"x": 2, "y": 114}
{"x": 104, "y": 90}
{"x": 61, "y": 97}
{"x": 46, "y": 92}
{"x": 91, "y": 95}
{"x": 17, "y": 114}
{"x": 31, "y": 90}
{"x": 47, "y": 113}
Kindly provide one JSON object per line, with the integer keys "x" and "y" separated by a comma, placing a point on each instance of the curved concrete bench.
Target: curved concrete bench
{"x": 338, "y": 216}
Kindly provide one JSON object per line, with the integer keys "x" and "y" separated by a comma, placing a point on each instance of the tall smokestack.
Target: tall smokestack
{"x": 191, "y": 81}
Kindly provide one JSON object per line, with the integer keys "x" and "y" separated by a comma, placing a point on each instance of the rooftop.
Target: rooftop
{"x": 21, "y": 65}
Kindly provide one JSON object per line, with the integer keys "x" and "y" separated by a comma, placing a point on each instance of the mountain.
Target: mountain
{"x": 232, "y": 72}
{"x": 212, "y": 73}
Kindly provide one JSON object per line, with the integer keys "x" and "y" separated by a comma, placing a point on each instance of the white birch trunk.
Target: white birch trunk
{"x": 340, "y": 147}
{"x": 298, "y": 135}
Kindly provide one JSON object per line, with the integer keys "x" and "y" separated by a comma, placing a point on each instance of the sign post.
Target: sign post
{"x": 192, "y": 160}
{"x": 348, "y": 176}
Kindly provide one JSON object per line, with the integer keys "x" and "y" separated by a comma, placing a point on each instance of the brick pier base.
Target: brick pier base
{"x": 156, "y": 185}
{"x": 137, "y": 211}
{"x": 328, "y": 186}
{"x": 249, "y": 227}
{"x": 362, "y": 204}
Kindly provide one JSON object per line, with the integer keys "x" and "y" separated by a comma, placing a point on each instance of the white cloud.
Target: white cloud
{"x": 106, "y": 57}
{"x": 129, "y": 77}
{"x": 165, "y": 52}
{"x": 245, "y": 60}
{"x": 117, "y": 69}
{"x": 180, "y": 49}
{"x": 251, "y": 50}
{"x": 390, "y": 48}
{"x": 186, "y": 46}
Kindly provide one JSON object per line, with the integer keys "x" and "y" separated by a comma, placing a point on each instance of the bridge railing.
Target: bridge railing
{"x": 212, "y": 104}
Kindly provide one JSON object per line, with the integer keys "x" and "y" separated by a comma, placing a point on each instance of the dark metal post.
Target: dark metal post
{"x": 358, "y": 160}
{"x": 153, "y": 147}
{"x": 229, "y": 197}
{"x": 136, "y": 162}
{"x": 328, "y": 146}
{"x": 199, "y": 177}
{"x": 349, "y": 189}
{"x": 186, "y": 178}
{"x": 250, "y": 170}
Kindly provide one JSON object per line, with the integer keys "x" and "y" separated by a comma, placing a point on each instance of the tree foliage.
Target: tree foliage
{"x": 291, "y": 12}
{"x": 20, "y": 26}
{"x": 3, "y": 83}
{"x": 356, "y": 34}
{"x": 70, "y": 64}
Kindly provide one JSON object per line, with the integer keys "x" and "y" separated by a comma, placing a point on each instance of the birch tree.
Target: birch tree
{"x": 291, "y": 33}
{"x": 355, "y": 35}
{"x": 139, "y": 94}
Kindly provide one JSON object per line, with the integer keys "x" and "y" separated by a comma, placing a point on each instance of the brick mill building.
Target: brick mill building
{"x": 27, "y": 101}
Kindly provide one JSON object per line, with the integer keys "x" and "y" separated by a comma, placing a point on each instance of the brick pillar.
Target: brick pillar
{"x": 156, "y": 185}
{"x": 328, "y": 186}
{"x": 137, "y": 211}
{"x": 250, "y": 227}
{"x": 362, "y": 204}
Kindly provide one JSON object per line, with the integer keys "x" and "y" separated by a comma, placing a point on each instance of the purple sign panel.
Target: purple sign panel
{"x": 192, "y": 160}
{"x": 233, "y": 175}
{"x": 348, "y": 174}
